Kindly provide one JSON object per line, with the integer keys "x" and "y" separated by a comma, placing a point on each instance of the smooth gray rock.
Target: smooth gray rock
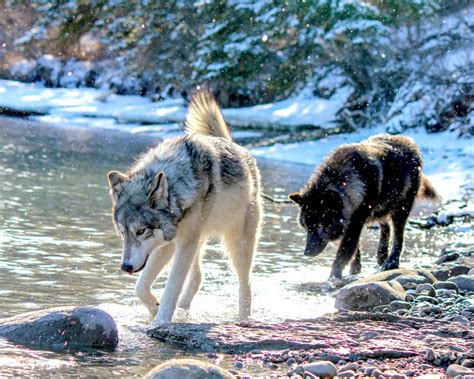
{"x": 447, "y": 272}
{"x": 401, "y": 275}
{"x": 398, "y": 304}
{"x": 464, "y": 282}
{"x": 426, "y": 289}
{"x": 455, "y": 370}
{"x": 62, "y": 328}
{"x": 446, "y": 286}
{"x": 367, "y": 296}
{"x": 346, "y": 374}
{"x": 323, "y": 369}
{"x": 188, "y": 369}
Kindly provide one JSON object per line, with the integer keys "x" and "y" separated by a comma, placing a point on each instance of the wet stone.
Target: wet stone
{"x": 188, "y": 369}
{"x": 429, "y": 299}
{"x": 346, "y": 374}
{"x": 426, "y": 289}
{"x": 398, "y": 304}
{"x": 464, "y": 282}
{"x": 447, "y": 272}
{"x": 323, "y": 369}
{"x": 447, "y": 257}
{"x": 432, "y": 310}
{"x": 446, "y": 285}
{"x": 455, "y": 370}
{"x": 353, "y": 366}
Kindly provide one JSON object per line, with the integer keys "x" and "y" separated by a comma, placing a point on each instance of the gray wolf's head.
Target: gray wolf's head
{"x": 141, "y": 215}
{"x": 322, "y": 216}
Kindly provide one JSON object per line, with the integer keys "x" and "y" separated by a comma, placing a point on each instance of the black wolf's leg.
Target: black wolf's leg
{"x": 382, "y": 251}
{"x": 399, "y": 220}
{"x": 347, "y": 248}
{"x": 356, "y": 266}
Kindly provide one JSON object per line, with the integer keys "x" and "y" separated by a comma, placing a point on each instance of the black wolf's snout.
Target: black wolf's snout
{"x": 314, "y": 245}
{"x": 126, "y": 267}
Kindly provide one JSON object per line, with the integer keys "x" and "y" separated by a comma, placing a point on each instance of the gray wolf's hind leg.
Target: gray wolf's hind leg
{"x": 241, "y": 245}
{"x": 193, "y": 283}
{"x": 156, "y": 262}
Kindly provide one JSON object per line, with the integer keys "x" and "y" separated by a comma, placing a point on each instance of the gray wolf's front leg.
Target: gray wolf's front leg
{"x": 157, "y": 261}
{"x": 183, "y": 259}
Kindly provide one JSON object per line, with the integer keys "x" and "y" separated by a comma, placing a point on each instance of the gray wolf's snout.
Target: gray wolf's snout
{"x": 127, "y": 267}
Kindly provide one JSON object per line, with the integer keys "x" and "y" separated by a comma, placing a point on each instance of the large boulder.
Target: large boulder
{"x": 401, "y": 275}
{"x": 366, "y": 296}
{"x": 188, "y": 369}
{"x": 62, "y": 328}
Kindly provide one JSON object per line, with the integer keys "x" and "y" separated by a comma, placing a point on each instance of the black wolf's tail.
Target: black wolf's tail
{"x": 427, "y": 190}
{"x": 204, "y": 115}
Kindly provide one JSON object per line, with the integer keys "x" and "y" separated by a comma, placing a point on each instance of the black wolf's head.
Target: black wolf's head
{"x": 142, "y": 216}
{"x": 322, "y": 216}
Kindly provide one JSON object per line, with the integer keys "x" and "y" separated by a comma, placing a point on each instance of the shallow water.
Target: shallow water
{"x": 58, "y": 247}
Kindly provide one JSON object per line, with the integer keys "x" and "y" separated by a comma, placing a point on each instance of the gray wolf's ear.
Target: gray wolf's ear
{"x": 296, "y": 197}
{"x": 116, "y": 180}
{"x": 158, "y": 189}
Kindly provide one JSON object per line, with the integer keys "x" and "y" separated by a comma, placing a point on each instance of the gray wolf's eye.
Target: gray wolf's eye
{"x": 139, "y": 232}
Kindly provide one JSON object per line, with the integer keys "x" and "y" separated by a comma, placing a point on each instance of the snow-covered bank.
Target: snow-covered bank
{"x": 62, "y": 104}
{"x": 448, "y": 160}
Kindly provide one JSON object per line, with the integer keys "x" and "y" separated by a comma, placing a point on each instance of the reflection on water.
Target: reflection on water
{"x": 58, "y": 247}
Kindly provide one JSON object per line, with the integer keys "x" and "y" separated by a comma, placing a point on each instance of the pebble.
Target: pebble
{"x": 368, "y": 335}
{"x": 464, "y": 282}
{"x": 321, "y": 368}
{"x": 238, "y": 364}
{"x": 353, "y": 366}
{"x": 471, "y": 272}
{"x": 447, "y": 257}
{"x": 369, "y": 371}
{"x": 462, "y": 320}
{"x": 455, "y": 370}
{"x": 430, "y": 355}
{"x": 447, "y": 286}
{"x": 468, "y": 363}
{"x": 291, "y": 361}
{"x": 410, "y": 373}
{"x": 426, "y": 288}
{"x": 399, "y": 304}
{"x": 426, "y": 298}
{"x": 346, "y": 374}
{"x": 435, "y": 309}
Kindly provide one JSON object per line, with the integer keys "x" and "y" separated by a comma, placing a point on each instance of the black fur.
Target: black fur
{"x": 377, "y": 179}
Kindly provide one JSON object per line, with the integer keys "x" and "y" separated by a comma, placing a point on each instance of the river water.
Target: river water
{"x": 58, "y": 247}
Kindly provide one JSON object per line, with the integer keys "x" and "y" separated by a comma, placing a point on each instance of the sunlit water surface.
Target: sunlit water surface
{"x": 58, "y": 247}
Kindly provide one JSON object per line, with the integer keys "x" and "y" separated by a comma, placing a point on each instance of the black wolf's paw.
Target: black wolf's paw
{"x": 355, "y": 269}
{"x": 390, "y": 265}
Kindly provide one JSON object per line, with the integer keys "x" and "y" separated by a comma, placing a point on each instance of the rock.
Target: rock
{"x": 398, "y": 304}
{"x": 428, "y": 299}
{"x": 401, "y": 275}
{"x": 455, "y": 370}
{"x": 462, "y": 320}
{"x": 365, "y": 296}
{"x": 468, "y": 363}
{"x": 323, "y": 369}
{"x": 353, "y": 366}
{"x": 368, "y": 335}
{"x": 447, "y": 272}
{"x": 393, "y": 374}
{"x": 346, "y": 374}
{"x": 446, "y": 293}
{"x": 426, "y": 289}
{"x": 62, "y": 328}
{"x": 471, "y": 272}
{"x": 464, "y": 282}
{"x": 188, "y": 369}
{"x": 447, "y": 285}
{"x": 447, "y": 257}
{"x": 429, "y": 310}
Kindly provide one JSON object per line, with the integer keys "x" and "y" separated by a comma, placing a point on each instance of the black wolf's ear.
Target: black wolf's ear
{"x": 116, "y": 180}
{"x": 296, "y": 197}
{"x": 158, "y": 189}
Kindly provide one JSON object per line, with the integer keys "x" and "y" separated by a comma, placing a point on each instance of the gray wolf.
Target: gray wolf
{"x": 375, "y": 180}
{"x": 178, "y": 195}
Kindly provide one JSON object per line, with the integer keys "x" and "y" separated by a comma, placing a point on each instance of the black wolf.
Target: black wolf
{"x": 375, "y": 180}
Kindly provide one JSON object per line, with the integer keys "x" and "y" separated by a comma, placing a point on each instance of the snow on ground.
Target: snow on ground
{"x": 62, "y": 103}
{"x": 448, "y": 160}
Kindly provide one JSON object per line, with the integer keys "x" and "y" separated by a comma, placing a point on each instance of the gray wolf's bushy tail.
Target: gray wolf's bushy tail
{"x": 204, "y": 115}
{"x": 427, "y": 190}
